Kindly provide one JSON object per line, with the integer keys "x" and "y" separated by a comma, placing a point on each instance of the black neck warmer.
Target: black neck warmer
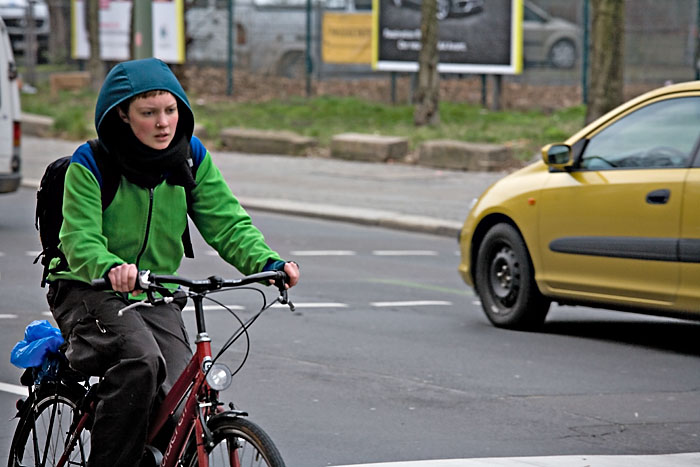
{"x": 147, "y": 167}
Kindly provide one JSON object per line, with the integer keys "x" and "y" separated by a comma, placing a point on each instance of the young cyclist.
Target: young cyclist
{"x": 145, "y": 124}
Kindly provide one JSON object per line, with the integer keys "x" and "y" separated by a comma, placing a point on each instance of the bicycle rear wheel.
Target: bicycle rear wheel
{"x": 44, "y": 427}
{"x": 238, "y": 442}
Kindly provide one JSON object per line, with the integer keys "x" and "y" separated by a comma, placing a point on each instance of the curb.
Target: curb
{"x": 361, "y": 216}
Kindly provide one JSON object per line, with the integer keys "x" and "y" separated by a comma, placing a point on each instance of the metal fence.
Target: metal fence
{"x": 284, "y": 38}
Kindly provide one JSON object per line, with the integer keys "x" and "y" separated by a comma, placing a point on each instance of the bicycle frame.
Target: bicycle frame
{"x": 192, "y": 379}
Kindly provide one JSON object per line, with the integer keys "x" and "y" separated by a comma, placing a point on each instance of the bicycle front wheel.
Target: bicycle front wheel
{"x": 44, "y": 427}
{"x": 238, "y": 442}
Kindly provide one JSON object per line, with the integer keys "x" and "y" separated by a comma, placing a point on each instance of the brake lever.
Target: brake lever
{"x": 284, "y": 300}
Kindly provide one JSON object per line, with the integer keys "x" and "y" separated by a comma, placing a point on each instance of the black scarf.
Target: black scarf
{"x": 147, "y": 167}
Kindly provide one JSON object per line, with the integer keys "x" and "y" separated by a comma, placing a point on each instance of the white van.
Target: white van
{"x": 10, "y": 111}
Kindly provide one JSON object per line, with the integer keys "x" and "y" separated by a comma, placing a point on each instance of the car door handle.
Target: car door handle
{"x": 658, "y": 196}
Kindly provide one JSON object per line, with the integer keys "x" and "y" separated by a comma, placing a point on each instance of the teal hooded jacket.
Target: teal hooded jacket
{"x": 144, "y": 226}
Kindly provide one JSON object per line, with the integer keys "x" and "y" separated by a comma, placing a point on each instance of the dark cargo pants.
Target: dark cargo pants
{"x": 139, "y": 354}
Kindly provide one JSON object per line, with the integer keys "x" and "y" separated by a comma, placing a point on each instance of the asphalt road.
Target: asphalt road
{"x": 389, "y": 357}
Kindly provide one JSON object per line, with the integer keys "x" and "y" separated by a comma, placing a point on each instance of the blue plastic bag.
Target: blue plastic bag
{"x": 40, "y": 340}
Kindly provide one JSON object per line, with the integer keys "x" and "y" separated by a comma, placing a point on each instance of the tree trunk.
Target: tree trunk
{"x": 59, "y": 21}
{"x": 607, "y": 57}
{"x": 94, "y": 65}
{"x": 427, "y": 96}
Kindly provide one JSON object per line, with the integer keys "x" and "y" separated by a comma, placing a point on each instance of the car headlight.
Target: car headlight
{"x": 219, "y": 377}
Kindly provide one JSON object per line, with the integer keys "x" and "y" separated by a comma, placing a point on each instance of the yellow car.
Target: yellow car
{"x": 610, "y": 219}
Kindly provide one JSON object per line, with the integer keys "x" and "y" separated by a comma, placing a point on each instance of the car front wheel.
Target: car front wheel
{"x": 505, "y": 281}
{"x": 563, "y": 54}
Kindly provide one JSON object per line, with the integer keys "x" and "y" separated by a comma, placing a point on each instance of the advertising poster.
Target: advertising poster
{"x": 115, "y": 24}
{"x": 168, "y": 30}
{"x": 168, "y": 24}
{"x": 347, "y": 38}
{"x": 474, "y": 36}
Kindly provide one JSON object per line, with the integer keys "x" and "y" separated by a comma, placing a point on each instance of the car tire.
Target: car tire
{"x": 562, "y": 54}
{"x": 505, "y": 281}
{"x": 292, "y": 65}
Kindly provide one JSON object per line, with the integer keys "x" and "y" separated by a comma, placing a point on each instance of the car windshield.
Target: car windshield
{"x": 662, "y": 134}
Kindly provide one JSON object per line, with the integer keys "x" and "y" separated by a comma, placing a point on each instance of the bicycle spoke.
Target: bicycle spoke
{"x": 43, "y": 436}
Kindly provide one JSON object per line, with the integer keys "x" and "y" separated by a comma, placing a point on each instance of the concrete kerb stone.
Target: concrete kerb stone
{"x": 36, "y": 125}
{"x": 368, "y": 147}
{"x": 362, "y": 216}
{"x": 266, "y": 142}
{"x": 460, "y": 155}
{"x": 69, "y": 80}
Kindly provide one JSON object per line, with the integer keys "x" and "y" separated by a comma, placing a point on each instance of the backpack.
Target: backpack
{"x": 49, "y": 206}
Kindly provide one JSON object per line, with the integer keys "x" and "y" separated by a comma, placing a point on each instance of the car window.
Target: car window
{"x": 531, "y": 15}
{"x": 662, "y": 134}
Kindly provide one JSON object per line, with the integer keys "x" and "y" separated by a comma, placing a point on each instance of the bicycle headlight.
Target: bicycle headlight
{"x": 219, "y": 377}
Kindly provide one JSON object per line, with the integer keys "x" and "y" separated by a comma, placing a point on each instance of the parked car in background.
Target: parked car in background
{"x": 606, "y": 219}
{"x": 16, "y": 13}
{"x": 10, "y": 112}
{"x": 549, "y": 40}
{"x": 447, "y": 8}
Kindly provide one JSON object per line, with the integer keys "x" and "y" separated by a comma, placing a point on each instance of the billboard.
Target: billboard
{"x": 474, "y": 36}
{"x": 347, "y": 38}
{"x": 167, "y": 29}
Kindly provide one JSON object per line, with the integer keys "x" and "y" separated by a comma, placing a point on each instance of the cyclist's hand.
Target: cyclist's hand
{"x": 292, "y": 270}
{"x": 123, "y": 278}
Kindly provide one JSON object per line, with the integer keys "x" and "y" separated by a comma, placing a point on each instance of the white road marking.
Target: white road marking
{"x": 14, "y": 389}
{"x": 33, "y": 254}
{"x": 313, "y": 305}
{"x": 214, "y": 307}
{"x": 689, "y": 459}
{"x": 322, "y": 253}
{"x": 404, "y": 253}
{"x": 413, "y": 303}
{"x": 307, "y": 305}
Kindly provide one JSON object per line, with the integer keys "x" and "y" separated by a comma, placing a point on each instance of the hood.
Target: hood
{"x": 128, "y": 79}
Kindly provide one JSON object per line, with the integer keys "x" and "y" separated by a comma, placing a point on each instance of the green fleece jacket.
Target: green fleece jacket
{"x": 145, "y": 226}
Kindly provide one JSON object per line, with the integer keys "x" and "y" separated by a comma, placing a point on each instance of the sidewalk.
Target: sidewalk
{"x": 388, "y": 195}
{"x": 691, "y": 459}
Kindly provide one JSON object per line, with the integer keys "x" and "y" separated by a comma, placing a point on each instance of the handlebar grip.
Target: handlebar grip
{"x": 101, "y": 284}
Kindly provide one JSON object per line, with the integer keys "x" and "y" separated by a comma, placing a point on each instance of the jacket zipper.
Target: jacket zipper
{"x": 148, "y": 227}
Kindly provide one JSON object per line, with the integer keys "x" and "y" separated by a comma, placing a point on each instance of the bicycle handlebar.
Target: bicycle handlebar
{"x": 147, "y": 281}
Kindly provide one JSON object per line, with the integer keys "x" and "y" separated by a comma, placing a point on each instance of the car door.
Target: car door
{"x": 610, "y": 228}
{"x": 688, "y": 298}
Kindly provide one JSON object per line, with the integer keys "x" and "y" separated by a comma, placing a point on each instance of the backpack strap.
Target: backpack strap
{"x": 186, "y": 238}
{"x": 108, "y": 171}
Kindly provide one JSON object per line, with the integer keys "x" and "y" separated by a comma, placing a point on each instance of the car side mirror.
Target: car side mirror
{"x": 557, "y": 156}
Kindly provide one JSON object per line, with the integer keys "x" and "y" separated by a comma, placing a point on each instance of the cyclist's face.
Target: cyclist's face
{"x": 153, "y": 119}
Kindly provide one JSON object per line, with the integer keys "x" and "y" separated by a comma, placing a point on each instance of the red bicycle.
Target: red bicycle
{"x": 55, "y": 420}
